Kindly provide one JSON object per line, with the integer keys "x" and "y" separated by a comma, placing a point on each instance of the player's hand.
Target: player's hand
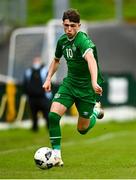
{"x": 47, "y": 85}
{"x": 97, "y": 88}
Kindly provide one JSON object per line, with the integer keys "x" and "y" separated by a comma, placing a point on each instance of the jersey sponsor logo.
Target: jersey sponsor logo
{"x": 57, "y": 95}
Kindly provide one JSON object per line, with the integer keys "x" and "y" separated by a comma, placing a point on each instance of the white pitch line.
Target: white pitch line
{"x": 101, "y": 138}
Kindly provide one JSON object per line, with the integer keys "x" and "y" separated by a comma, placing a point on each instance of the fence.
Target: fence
{"x": 119, "y": 90}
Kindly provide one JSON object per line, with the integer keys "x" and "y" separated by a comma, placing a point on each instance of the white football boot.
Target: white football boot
{"x": 98, "y": 110}
{"x": 59, "y": 162}
{"x": 58, "y": 158}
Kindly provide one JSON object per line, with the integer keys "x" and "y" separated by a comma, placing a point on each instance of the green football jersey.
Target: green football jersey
{"x": 73, "y": 51}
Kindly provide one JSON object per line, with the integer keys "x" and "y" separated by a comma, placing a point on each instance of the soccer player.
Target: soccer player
{"x": 81, "y": 85}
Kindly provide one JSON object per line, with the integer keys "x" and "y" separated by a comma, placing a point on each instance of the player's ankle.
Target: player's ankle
{"x": 57, "y": 152}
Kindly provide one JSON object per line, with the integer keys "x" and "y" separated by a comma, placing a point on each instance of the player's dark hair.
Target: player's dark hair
{"x": 71, "y": 14}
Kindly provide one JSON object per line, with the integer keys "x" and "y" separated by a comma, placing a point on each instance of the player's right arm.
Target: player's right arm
{"x": 52, "y": 69}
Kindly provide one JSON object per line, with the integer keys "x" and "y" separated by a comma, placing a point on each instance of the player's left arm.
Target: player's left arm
{"x": 92, "y": 65}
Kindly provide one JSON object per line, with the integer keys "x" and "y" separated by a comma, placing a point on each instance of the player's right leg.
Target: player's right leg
{"x": 61, "y": 102}
{"x": 57, "y": 110}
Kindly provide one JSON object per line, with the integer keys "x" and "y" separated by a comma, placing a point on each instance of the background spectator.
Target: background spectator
{"x": 39, "y": 100}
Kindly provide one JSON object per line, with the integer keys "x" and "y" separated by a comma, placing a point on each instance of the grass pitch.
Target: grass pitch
{"x": 108, "y": 152}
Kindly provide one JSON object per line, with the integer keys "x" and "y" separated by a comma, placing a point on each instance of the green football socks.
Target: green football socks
{"x": 93, "y": 118}
{"x": 54, "y": 130}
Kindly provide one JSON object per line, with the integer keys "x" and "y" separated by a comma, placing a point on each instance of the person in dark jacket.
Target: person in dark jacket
{"x": 39, "y": 100}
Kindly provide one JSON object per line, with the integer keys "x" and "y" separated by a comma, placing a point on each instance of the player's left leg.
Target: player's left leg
{"x": 88, "y": 113}
{"x": 84, "y": 121}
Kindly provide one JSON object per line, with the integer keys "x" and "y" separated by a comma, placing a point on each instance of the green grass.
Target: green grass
{"x": 109, "y": 151}
{"x": 41, "y": 11}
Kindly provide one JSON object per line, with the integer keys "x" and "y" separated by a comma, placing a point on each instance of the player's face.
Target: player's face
{"x": 70, "y": 28}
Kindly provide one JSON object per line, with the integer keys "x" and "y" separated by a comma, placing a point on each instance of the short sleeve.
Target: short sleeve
{"x": 86, "y": 46}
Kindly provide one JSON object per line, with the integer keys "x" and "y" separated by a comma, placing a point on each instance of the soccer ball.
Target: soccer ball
{"x": 44, "y": 158}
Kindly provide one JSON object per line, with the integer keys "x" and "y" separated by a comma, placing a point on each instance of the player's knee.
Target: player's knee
{"x": 82, "y": 131}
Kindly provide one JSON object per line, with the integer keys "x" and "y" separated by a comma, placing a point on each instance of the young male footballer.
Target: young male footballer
{"x": 81, "y": 85}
